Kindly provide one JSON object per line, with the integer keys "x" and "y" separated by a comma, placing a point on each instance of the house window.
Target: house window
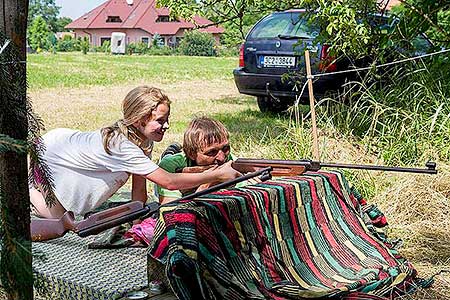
{"x": 104, "y": 39}
{"x": 113, "y": 19}
{"x": 145, "y": 40}
{"x": 165, "y": 19}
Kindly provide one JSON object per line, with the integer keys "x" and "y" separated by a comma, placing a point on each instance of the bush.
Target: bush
{"x": 106, "y": 47}
{"x": 84, "y": 45}
{"x": 157, "y": 41}
{"x": 142, "y": 48}
{"x": 225, "y": 51}
{"x": 164, "y": 50}
{"x": 68, "y": 44}
{"x": 196, "y": 43}
{"x": 138, "y": 48}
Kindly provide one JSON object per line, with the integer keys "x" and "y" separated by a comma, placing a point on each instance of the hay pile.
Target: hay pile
{"x": 418, "y": 210}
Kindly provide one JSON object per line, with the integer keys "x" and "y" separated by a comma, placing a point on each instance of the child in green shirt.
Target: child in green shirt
{"x": 205, "y": 147}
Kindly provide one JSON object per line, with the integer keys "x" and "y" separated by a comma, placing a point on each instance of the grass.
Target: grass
{"x": 417, "y": 206}
{"x": 404, "y": 121}
{"x": 73, "y": 70}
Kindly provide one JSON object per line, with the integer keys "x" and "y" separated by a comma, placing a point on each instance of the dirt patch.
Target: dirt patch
{"x": 101, "y": 105}
{"x": 94, "y": 107}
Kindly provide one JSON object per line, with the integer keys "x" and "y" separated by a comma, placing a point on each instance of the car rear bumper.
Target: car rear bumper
{"x": 266, "y": 84}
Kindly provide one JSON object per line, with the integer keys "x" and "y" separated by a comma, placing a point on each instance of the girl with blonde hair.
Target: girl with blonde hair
{"x": 89, "y": 167}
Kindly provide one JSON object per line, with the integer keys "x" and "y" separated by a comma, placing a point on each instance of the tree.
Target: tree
{"x": 61, "y": 23}
{"x": 39, "y": 34}
{"x": 349, "y": 26}
{"x": 47, "y": 9}
{"x": 15, "y": 262}
{"x": 432, "y": 17}
{"x": 237, "y": 14}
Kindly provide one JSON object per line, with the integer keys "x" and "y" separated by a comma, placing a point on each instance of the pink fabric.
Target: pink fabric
{"x": 142, "y": 232}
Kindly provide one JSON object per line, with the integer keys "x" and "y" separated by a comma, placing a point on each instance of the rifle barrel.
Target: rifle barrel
{"x": 226, "y": 184}
{"x": 431, "y": 168}
{"x": 312, "y": 165}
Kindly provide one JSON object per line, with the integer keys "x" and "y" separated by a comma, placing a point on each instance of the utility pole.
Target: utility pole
{"x": 16, "y": 257}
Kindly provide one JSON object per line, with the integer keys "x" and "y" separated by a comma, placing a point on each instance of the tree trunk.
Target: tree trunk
{"x": 16, "y": 258}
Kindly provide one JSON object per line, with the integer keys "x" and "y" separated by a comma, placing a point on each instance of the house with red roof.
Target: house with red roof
{"x": 139, "y": 20}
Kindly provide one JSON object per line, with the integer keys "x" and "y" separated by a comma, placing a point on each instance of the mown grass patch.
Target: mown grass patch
{"x": 73, "y": 70}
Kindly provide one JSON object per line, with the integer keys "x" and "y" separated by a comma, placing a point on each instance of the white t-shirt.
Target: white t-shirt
{"x": 83, "y": 173}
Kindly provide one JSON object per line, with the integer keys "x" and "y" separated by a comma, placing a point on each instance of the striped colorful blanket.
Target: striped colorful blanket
{"x": 311, "y": 236}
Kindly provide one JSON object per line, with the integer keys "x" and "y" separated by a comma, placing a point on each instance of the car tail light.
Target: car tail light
{"x": 241, "y": 56}
{"x": 326, "y": 61}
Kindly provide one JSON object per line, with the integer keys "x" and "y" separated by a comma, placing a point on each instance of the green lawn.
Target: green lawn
{"x": 77, "y": 70}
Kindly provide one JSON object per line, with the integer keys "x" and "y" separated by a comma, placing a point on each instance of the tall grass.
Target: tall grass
{"x": 403, "y": 119}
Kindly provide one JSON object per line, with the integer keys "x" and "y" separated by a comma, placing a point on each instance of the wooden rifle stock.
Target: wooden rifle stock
{"x": 298, "y": 167}
{"x": 47, "y": 229}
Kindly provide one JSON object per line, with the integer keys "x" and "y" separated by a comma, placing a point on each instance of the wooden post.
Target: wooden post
{"x": 16, "y": 259}
{"x": 315, "y": 149}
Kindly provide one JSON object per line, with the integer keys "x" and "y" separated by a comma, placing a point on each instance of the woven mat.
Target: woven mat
{"x": 69, "y": 270}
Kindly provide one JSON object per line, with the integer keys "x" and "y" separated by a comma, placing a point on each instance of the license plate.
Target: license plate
{"x": 277, "y": 61}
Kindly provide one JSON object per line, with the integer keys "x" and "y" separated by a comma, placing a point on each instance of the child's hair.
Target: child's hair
{"x": 202, "y": 132}
{"x": 138, "y": 105}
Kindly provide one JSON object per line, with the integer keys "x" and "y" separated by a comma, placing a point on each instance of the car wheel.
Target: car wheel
{"x": 268, "y": 104}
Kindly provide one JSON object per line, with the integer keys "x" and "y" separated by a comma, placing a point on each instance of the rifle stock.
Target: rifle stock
{"x": 47, "y": 229}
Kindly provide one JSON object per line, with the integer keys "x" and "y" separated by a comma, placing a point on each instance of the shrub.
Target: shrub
{"x": 196, "y": 43}
{"x": 164, "y": 50}
{"x": 39, "y": 34}
{"x": 138, "y": 48}
{"x": 142, "y": 48}
{"x": 157, "y": 40}
{"x": 106, "y": 47}
{"x": 67, "y": 44}
{"x": 84, "y": 45}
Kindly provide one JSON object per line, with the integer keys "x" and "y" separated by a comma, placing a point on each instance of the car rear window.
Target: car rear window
{"x": 288, "y": 24}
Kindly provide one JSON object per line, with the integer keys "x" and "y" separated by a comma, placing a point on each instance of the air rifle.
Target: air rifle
{"x": 47, "y": 229}
{"x": 298, "y": 167}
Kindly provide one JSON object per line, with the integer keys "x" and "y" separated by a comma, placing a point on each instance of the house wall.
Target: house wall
{"x": 133, "y": 35}
{"x": 216, "y": 36}
{"x": 95, "y": 35}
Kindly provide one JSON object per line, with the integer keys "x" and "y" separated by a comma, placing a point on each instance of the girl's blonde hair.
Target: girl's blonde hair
{"x": 202, "y": 132}
{"x": 138, "y": 105}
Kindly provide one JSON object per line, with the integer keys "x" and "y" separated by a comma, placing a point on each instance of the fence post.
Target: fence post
{"x": 312, "y": 106}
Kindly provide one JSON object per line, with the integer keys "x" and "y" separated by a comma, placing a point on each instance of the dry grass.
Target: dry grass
{"x": 417, "y": 206}
{"x": 98, "y": 106}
